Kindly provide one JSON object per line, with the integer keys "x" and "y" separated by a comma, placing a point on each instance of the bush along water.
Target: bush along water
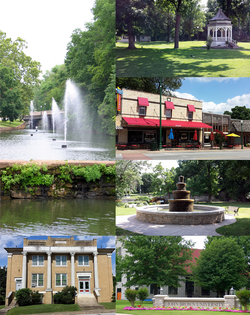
{"x": 58, "y": 181}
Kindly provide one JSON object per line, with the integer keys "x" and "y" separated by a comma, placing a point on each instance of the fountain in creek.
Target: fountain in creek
{"x": 45, "y": 121}
{"x": 56, "y": 117}
{"x": 181, "y": 210}
{"x": 31, "y": 114}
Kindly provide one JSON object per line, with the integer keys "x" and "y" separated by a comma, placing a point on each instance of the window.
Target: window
{"x": 37, "y": 260}
{"x": 169, "y": 113}
{"x": 190, "y": 115}
{"x": 172, "y": 290}
{"x": 61, "y": 260}
{"x": 37, "y": 280}
{"x": 83, "y": 260}
{"x": 61, "y": 279}
{"x": 142, "y": 110}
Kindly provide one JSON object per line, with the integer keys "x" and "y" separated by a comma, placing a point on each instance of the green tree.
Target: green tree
{"x": 26, "y": 70}
{"x": 150, "y": 85}
{"x": 219, "y": 139}
{"x": 131, "y": 15}
{"x": 202, "y": 177}
{"x": 220, "y": 266}
{"x": 128, "y": 176}
{"x": 147, "y": 179}
{"x": 240, "y": 112}
{"x": 10, "y": 94}
{"x": 163, "y": 180}
{"x": 155, "y": 260}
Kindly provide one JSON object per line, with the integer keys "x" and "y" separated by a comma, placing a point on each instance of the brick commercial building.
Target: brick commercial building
{"x": 49, "y": 265}
{"x": 138, "y": 120}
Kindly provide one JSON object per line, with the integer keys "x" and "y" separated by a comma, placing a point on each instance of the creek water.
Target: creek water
{"x": 19, "y": 144}
{"x": 57, "y": 217}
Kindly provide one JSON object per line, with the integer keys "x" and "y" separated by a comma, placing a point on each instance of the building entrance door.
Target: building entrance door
{"x": 84, "y": 285}
{"x": 18, "y": 284}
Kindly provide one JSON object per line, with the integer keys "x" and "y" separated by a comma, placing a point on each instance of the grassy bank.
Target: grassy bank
{"x": 8, "y": 123}
{"x": 44, "y": 308}
{"x": 190, "y": 60}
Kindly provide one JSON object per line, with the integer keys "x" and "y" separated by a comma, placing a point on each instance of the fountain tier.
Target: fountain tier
{"x": 181, "y": 201}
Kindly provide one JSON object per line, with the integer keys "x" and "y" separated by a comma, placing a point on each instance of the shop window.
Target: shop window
{"x": 134, "y": 136}
{"x": 169, "y": 113}
{"x": 142, "y": 110}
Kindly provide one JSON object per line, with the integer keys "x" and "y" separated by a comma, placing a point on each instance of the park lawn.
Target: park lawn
{"x": 108, "y": 305}
{"x": 161, "y": 59}
{"x": 44, "y": 308}
{"x": 125, "y": 211}
{"x": 122, "y": 232}
{"x": 7, "y": 123}
{"x": 2, "y": 306}
{"x": 120, "y": 304}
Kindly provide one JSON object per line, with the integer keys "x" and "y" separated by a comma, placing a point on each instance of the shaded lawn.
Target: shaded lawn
{"x": 125, "y": 211}
{"x": 44, "y": 308}
{"x": 120, "y": 304}
{"x": 161, "y": 59}
{"x": 122, "y": 232}
{"x": 10, "y": 124}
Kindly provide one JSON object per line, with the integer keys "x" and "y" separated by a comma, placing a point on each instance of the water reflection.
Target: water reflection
{"x": 21, "y": 144}
{"x": 57, "y": 217}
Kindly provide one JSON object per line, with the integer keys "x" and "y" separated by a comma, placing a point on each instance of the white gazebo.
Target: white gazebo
{"x": 220, "y": 29}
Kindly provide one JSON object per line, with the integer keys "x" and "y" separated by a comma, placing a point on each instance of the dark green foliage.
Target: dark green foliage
{"x": 33, "y": 175}
{"x": 142, "y": 294}
{"x": 219, "y": 139}
{"x": 240, "y": 112}
{"x": 131, "y": 296}
{"x": 27, "y": 297}
{"x": 221, "y": 265}
{"x": 244, "y": 297}
{"x": 66, "y": 296}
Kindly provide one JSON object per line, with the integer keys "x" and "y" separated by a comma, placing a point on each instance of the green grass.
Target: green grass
{"x": 44, "y": 308}
{"x": 161, "y": 59}
{"x": 125, "y": 211}
{"x": 2, "y": 306}
{"x": 122, "y": 232}
{"x": 109, "y": 305}
{"x": 10, "y": 124}
{"x": 120, "y": 304}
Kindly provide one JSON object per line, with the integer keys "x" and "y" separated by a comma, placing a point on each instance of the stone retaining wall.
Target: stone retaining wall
{"x": 103, "y": 188}
{"x": 229, "y": 301}
{"x": 22, "y": 126}
{"x": 205, "y": 216}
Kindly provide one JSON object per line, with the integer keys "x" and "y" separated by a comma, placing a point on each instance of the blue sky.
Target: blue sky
{"x": 17, "y": 241}
{"x": 217, "y": 94}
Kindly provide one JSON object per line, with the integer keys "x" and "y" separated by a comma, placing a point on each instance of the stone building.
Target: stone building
{"x": 187, "y": 287}
{"x": 49, "y": 265}
{"x": 138, "y": 119}
{"x": 241, "y": 127}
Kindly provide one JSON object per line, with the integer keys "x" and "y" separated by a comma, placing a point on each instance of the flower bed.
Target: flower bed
{"x": 183, "y": 308}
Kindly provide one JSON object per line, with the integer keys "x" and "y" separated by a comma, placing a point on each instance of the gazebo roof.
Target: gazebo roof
{"x": 220, "y": 16}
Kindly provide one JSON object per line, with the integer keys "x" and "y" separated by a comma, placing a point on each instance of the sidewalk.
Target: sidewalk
{"x": 130, "y": 223}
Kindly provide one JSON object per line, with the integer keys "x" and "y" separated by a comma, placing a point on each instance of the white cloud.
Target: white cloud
{"x": 185, "y": 96}
{"x": 240, "y": 100}
{"x": 9, "y": 241}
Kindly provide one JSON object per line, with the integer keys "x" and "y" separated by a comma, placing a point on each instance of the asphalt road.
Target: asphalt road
{"x": 225, "y": 154}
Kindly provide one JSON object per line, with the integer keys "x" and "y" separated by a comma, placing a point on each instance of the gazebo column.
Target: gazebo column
{"x": 216, "y": 30}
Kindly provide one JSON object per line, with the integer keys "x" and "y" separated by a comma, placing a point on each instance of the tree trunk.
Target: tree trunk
{"x": 131, "y": 43}
{"x": 177, "y": 29}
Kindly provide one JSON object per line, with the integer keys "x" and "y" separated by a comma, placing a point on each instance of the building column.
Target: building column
{"x": 216, "y": 30}
{"x": 96, "y": 271}
{"x": 72, "y": 269}
{"x": 24, "y": 270}
{"x": 49, "y": 288}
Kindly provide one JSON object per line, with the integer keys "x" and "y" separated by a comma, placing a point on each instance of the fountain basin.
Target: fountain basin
{"x": 202, "y": 215}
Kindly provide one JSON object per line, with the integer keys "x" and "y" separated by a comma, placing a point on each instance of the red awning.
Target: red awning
{"x": 169, "y": 105}
{"x": 142, "y": 101}
{"x": 191, "y": 108}
{"x": 165, "y": 123}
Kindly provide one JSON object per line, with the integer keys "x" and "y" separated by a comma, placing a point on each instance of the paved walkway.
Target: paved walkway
{"x": 130, "y": 223}
{"x": 183, "y": 154}
{"x": 107, "y": 312}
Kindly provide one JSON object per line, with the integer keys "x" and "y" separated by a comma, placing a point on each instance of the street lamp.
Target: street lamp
{"x": 160, "y": 144}
{"x": 232, "y": 291}
{"x": 241, "y": 134}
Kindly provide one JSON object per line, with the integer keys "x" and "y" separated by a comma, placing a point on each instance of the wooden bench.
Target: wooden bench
{"x": 233, "y": 209}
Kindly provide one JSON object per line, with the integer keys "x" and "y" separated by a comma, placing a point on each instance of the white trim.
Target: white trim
{"x": 83, "y": 274}
{"x": 60, "y": 249}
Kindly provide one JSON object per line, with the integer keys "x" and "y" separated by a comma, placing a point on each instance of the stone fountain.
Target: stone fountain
{"x": 181, "y": 210}
{"x": 181, "y": 201}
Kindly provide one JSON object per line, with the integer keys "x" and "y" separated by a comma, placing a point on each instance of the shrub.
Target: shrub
{"x": 131, "y": 296}
{"x": 126, "y": 205}
{"x": 142, "y": 294}
{"x": 219, "y": 138}
{"x": 209, "y": 42}
{"x": 36, "y": 297}
{"x": 23, "y": 297}
{"x": 66, "y": 296}
{"x": 244, "y": 297}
